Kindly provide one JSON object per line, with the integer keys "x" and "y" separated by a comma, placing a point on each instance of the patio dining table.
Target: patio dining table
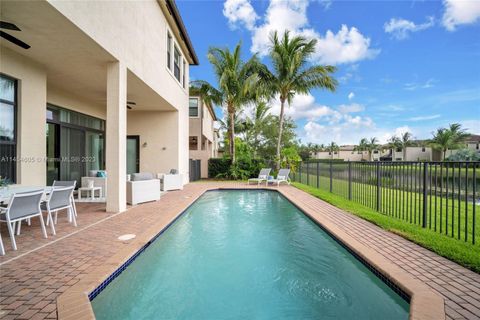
{"x": 6, "y": 193}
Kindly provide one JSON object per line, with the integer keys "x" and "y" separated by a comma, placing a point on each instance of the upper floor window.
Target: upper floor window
{"x": 169, "y": 51}
{"x": 176, "y": 62}
{"x": 193, "y": 107}
{"x": 184, "y": 70}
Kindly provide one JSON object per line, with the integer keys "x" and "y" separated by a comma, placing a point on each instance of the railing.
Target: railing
{"x": 441, "y": 196}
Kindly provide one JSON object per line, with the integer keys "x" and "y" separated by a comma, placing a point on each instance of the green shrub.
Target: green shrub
{"x": 218, "y": 166}
{"x": 464, "y": 155}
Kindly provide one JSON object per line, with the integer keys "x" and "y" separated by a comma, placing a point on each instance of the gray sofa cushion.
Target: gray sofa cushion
{"x": 142, "y": 176}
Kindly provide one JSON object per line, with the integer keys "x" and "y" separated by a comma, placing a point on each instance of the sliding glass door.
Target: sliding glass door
{"x": 75, "y": 144}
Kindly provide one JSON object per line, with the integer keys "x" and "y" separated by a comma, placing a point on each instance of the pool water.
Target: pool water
{"x": 247, "y": 255}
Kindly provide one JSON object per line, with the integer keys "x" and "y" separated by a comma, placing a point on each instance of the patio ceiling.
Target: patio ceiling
{"x": 74, "y": 63}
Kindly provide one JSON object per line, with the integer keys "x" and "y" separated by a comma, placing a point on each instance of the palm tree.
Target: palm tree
{"x": 257, "y": 123}
{"x": 332, "y": 147}
{"x": 448, "y": 138}
{"x": 291, "y": 75}
{"x": 372, "y": 145}
{"x": 363, "y": 145}
{"x": 237, "y": 81}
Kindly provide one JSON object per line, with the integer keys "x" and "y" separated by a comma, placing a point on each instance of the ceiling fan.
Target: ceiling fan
{"x": 130, "y": 105}
{"x": 12, "y": 39}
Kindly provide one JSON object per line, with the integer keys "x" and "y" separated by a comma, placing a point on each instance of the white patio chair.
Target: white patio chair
{"x": 58, "y": 183}
{"x": 2, "y": 248}
{"x": 282, "y": 176}
{"x": 22, "y": 206}
{"x": 59, "y": 199}
{"x": 262, "y": 176}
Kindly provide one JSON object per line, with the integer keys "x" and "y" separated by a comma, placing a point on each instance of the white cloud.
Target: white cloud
{"x": 423, "y": 118}
{"x": 351, "y": 108}
{"x": 351, "y": 95}
{"x": 401, "y": 28}
{"x": 240, "y": 12}
{"x": 348, "y": 45}
{"x": 459, "y": 12}
{"x": 415, "y": 85}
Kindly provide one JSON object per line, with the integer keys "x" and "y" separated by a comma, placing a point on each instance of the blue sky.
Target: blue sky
{"x": 402, "y": 65}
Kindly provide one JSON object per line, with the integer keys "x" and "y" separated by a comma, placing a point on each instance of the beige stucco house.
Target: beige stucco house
{"x": 94, "y": 73}
{"x": 204, "y": 137}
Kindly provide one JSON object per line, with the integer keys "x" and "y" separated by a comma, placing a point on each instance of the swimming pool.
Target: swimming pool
{"x": 247, "y": 254}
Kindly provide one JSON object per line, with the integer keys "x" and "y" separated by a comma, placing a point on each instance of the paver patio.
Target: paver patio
{"x": 33, "y": 277}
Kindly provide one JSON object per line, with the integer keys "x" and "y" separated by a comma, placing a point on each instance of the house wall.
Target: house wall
{"x": 31, "y": 116}
{"x": 157, "y": 130}
{"x": 416, "y": 154}
{"x": 141, "y": 45}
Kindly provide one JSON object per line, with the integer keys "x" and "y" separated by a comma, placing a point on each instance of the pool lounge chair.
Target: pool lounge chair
{"x": 262, "y": 176}
{"x": 282, "y": 176}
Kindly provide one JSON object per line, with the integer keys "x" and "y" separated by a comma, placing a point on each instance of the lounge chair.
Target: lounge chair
{"x": 282, "y": 176}
{"x": 262, "y": 176}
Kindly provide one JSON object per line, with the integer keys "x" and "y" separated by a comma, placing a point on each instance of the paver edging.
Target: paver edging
{"x": 424, "y": 303}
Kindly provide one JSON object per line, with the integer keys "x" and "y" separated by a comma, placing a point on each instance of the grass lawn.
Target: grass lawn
{"x": 446, "y": 216}
{"x": 463, "y": 253}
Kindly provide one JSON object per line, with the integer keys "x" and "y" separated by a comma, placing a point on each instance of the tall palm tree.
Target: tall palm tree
{"x": 448, "y": 138}
{"x": 237, "y": 81}
{"x": 332, "y": 147}
{"x": 372, "y": 145}
{"x": 291, "y": 75}
{"x": 363, "y": 145}
{"x": 257, "y": 123}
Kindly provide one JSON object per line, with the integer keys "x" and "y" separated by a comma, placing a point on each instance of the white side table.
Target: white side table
{"x": 91, "y": 190}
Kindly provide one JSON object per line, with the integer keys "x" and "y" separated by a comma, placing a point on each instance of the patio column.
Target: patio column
{"x": 116, "y": 137}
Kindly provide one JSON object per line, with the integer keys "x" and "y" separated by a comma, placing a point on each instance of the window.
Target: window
{"x": 193, "y": 107}
{"x": 176, "y": 63}
{"x": 193, "y": 143}
{"x": 169, "y": 51}
{"x": 8, "y": 128}
{"x": 423, "y": 149}
{"x": 184, "y": 70}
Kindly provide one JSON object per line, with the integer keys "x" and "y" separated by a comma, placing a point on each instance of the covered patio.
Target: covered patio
{"x": 65, "y": 70}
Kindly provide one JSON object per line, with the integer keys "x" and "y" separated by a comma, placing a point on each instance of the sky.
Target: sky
{"x": 402, "y": 65}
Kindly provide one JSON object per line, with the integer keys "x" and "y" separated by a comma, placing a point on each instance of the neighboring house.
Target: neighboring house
{"x": 203, "y": 140}
{"x": 95, "y": 73}
{"x": 347, "y": 153}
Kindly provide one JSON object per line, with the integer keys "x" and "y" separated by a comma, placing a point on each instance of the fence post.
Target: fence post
{"x": 349, "y": 180}
{"x": 331, "y": 177}
{"x": 308, "y": 173}
{"x": 300, "y": 172}
{"x": 425, "y": 170}
{"x": 318, "y": 175}
{"x": 379, "y": 180}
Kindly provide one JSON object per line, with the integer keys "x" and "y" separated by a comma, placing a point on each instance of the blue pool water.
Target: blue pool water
{"x": 247, "y": 255}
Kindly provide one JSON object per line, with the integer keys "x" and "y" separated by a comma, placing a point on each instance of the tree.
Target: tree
{"x": 332, "y": 147}
{"x": 291, "y": 75}
{"x": 362, "y": 146}
{"x": 237, "y": 82}
{"x": 256, "y": 124}
{"x": 402, "y": 142}
{"x": 372, "y": 145}
{"x": 448, "y": 138}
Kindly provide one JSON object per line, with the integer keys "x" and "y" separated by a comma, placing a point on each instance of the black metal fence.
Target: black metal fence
{"x": 442, "y": 196}
{"x": 195, "y": 171}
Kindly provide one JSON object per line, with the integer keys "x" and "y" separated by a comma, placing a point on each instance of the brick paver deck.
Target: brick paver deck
{"x": 42, "y": 269}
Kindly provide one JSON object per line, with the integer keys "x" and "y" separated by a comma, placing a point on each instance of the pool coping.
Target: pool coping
{"x": 75, "y": 303}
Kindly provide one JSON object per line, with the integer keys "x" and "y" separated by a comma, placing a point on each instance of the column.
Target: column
{"x": 116, "y": 137}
